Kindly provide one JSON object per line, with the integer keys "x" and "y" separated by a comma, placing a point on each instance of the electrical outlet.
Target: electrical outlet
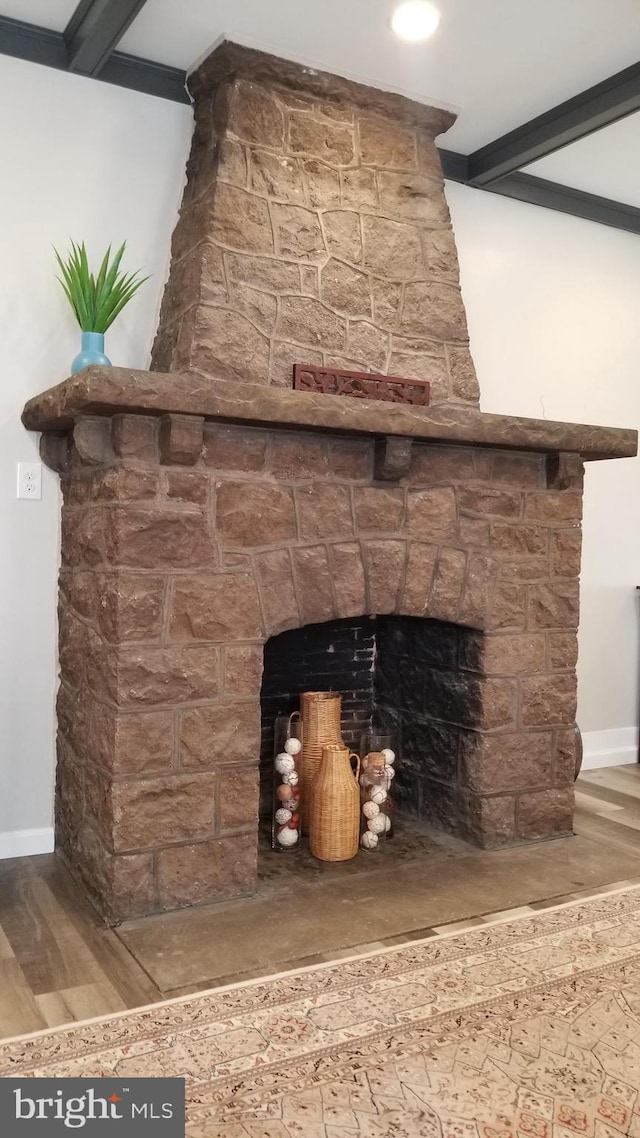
{"x": 29, "y": 480}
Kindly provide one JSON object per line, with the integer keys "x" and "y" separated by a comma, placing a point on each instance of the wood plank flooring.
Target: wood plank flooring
{"x": 58, "y": 963}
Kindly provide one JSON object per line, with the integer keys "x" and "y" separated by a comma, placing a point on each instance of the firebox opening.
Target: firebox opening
{"x": 415, "y": 679}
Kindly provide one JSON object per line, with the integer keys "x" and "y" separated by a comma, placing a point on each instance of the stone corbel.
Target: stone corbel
{"x": 55, "y": 451}
{"x": 564, "y": 471}
{"x": 181, "y": 439}
{"x": 392, "y": 458}
{"x": 92, "y": 438}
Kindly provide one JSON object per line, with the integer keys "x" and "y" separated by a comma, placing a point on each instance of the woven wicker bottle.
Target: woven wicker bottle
{"x": 334, "y": 826}
{"x": 321, "y": 721}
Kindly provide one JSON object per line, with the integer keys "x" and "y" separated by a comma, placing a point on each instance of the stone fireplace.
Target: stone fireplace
{"x": 209, "y": 507}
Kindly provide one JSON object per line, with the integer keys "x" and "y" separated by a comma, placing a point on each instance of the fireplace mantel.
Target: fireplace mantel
{"x": 103, "y": 391}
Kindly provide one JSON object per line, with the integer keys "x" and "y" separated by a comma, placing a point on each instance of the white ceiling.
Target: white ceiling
{"x": 605, "y": 163}
{"x": 53, "y": 14}
{"x": 496, "y": 62}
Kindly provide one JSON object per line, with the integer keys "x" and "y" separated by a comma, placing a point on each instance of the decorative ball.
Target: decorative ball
{"x": 370, "y": 809}
{"x": 390, "y": 773}
{"x": 287, "y": 837}
{"x": 389, "y": 755}
{"x": 294, "y": 822}
{"x": 282, "y": 816}
{"x": 293, "y": 746}
{"x": 378, "y": 794}
{"x": 284, "y": 763}
{"x": 387, "y": 823}
{"x": 284, "y": 793}
{"x": 377, "y": 825}
{"x": 369, "y": 841}
{"x": 292, "y": 778}
{"x": 295, "y": 793}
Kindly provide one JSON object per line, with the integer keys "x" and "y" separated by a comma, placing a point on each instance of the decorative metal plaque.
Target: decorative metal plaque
{"x": 361, "y": 384}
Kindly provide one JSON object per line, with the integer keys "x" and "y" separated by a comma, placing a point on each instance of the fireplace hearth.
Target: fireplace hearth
{"x": 209, "y": 508}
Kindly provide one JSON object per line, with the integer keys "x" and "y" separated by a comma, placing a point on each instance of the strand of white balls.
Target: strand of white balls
{"x": 287, "y": 815}
{"x": 378, "y": 820}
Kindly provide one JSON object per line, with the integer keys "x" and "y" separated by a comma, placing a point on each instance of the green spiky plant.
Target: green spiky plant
{"x": 96, "y": 301}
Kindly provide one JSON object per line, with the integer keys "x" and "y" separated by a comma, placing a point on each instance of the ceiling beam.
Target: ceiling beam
{"x": 33, "y": 43}
{"x": 94, "y": 30}
{"x": 41, "y": 45}
{"x": 565, "y": 199}
{"x": 144, "y": 75}
{"x": 606, "y": 103}
{"x": 549, "y": 195}
{"x": 455, "y": 167}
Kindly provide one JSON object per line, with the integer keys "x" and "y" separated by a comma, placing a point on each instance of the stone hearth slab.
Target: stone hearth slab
{"x": 105, "y": 391}
{"x": 208, "y": 944}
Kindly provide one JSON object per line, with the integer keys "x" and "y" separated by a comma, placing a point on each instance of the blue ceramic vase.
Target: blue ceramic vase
{"x": 92, "y": 352}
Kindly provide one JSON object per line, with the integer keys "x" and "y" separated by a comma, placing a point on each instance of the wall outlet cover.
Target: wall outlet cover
{"x": 30, "y": 480}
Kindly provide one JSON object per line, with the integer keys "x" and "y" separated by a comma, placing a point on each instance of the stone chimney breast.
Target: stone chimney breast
{"x": 314, "y": 229}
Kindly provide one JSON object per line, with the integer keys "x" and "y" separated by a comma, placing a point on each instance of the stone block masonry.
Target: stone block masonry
{"x": 213, "y": 507}
{"x": 175, "y": 573}
{"x": 314, "y": 229}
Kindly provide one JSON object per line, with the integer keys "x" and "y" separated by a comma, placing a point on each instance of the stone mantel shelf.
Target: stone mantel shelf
{"x": 106, "y": 391}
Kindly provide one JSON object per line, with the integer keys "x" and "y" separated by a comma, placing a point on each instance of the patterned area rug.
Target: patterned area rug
{"x": 528, "y": 1029}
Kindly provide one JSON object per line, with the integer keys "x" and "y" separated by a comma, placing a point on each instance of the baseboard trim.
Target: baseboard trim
{"x": 612, "y": 748}
{"x": 25, "y": 843}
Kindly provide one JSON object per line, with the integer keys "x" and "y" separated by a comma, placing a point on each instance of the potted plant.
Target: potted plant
{"x": 95, "y": 300}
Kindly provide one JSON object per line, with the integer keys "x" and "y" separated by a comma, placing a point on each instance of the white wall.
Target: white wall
{"x": 553, "y": 304}
{"x": 83, "y": 160}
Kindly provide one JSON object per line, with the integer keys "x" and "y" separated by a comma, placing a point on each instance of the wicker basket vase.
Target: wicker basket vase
{"x": 334, "y": 824}
{"x": 320, "y": 712}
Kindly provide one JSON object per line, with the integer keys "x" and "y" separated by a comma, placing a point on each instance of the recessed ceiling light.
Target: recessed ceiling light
{"x": 415, "y": 20}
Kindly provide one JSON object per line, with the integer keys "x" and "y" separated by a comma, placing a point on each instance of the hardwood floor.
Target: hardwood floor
{"x": 58, "y": 963}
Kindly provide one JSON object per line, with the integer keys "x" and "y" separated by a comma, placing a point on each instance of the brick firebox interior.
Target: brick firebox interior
{"x": 209, "y": 507}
